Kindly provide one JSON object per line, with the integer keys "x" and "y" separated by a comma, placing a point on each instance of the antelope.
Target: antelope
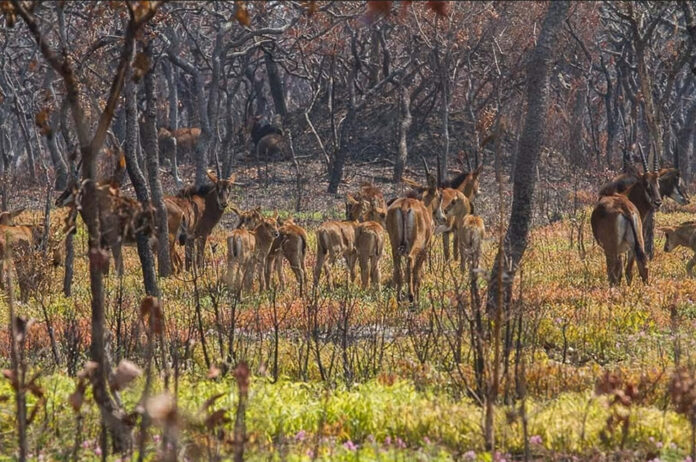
{"x": 185, "y": 137}
{"x": 669, "y": 181}
{"x": 618, "y": 228}
{"x": 468, "y": 229}
{"x": 466, "y": 183}
{"x": 201, "y": 208}
{"x": 368, "y": 204}
{"x": 410, "y": 227}
{"x": 7, "y": 217}
{"x": 247, "y": 252}
{"x": 120, "y": 218}
{"x": 684, "y": 234}
{"x": 335, "y": 239}
{"x": 290, "y": 244}
{"x": 268, "y": 139}
{"x": 369, "y": 244}
{"x": 641, "y": 190}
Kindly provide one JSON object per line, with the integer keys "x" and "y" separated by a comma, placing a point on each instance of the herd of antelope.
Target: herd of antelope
{"x": 258, "y": 246}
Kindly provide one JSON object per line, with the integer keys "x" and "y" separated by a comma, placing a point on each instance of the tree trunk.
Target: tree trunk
{"x": 152, "y": 149}
{"x": 171, "y": 148}
{"x": 139, "y": 184}
{"x": 276, "y": 85}
{"x": 528, "y": 149}
{"x": 404, "y": 126}
{"x": 59, "y": 165}
{"x": 339, "y": 160}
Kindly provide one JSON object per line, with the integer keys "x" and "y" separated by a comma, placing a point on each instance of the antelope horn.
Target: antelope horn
{"x": 656, "y": 166}
{"x": 642, "y": 158}
{"x": 425, "y": 164}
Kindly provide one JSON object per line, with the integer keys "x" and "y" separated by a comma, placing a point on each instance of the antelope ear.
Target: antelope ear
{"x": 232, "y": 178}
{"x": 477, "y": 171}
{"x": 212, "y": 176}
{"x": 350, "y": 199}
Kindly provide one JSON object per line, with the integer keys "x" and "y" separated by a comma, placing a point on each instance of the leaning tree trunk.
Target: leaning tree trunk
{"x": 404, "y": 126}
{"x": 152, "y": 158}
{"x": 139, "y": 184}
{"x": 339, "y": 160}
{"x": 528, "y": 149}
{"x": 275, "y": 84}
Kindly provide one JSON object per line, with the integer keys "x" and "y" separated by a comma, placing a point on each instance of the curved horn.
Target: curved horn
{"x": 642, "y": 159}
{"x": 425, "y": 165}
{"x": 656, "y": 161}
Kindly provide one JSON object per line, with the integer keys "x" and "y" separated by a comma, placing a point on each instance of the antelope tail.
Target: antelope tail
{"x": 405, "y": 224}
{"x": 181, "y": 232}
{"x": 638, "y": 240}
{"x": 237, "y": 247}
{"x": 323, "y": 244}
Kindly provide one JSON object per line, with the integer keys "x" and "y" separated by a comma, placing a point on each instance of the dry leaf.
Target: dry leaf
{"x": 210, "y": 401}
{"x": 440, "y": 7}
{"x": 89, "y": 370}
{"x": 151, "y": 314}
{"x": 141, "y": 64}
{"x": 214, "y": 372}
{"x": 162, "y": 409}
{"x": 377, "y": 8}
{"x": 216, "y": 418}
{"x": 124, "y": 374}
{"x": 241, "y": 14}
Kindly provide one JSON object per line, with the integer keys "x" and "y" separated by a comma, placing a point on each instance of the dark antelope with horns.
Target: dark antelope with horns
{"x": 200, "y": 209}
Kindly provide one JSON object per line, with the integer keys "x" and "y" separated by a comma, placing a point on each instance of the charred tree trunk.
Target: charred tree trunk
{"x": 404, "y": 126}
{"x": 59, "y": 165}
{"x": 275, "y": 83}
{"x": 139, "y": 184}
{"x": 152, "y": 158}
{"x": 171, "y": 147}
{"x": 528, "y": 149}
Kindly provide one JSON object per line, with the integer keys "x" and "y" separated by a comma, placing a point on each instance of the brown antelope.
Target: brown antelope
{"x": 466, "y": 183}
{"x": 618, "y": 228}
{"x": 290, "y": 244}
{"x": 468, "y": 230}
{"x": 201, "y": 208}
{"x": 369, "y": 245}
{"x": 120, "y": 218}
{"x": 247, "y": 252}
{"x": 669, "y": 180}
{"x": 335, "y": 239}
{"x": 7, "y": 217}
{"x": 367, "y": 204}
{"x": 642, "y": 190}
{"x": 410, "y": 227}
{"x": 684, "y": 234}
{"x": 186, "y": 137}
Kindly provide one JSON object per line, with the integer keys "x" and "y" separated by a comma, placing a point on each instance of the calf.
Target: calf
{"x": 290, "y": 244}
{"x": 468, "y": 229}
{"x": 335, "y": 239}
{"x": 369, "y": 244}
{"x": 684, "y": 234}
{"x": 247, "y": 251}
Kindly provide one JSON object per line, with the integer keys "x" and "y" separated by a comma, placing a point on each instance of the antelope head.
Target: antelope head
{"x": 432, "y": 197}
{"x": 652, "y": 189}
{"x": 223, "y": 189}
{"x": 6, "y": 218}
